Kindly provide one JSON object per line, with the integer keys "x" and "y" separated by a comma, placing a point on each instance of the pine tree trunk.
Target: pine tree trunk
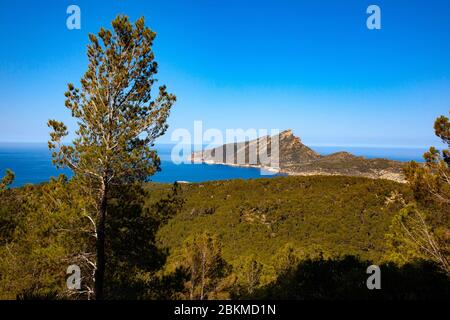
{"x": 100, "y": 247}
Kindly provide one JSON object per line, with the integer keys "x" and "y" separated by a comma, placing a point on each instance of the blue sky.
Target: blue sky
{"x": 312, "y": 66}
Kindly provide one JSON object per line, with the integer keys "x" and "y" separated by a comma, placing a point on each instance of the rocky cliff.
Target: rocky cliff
{"x": 295, "y": 158}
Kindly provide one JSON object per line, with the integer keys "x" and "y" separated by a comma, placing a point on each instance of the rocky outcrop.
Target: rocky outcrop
{"x": 295, "y": 158}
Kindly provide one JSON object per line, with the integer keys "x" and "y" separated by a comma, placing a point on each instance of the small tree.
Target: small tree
{"x": 9, "y": 206}
{"x": 415, "y": 232}
{"x": 202, "y": 258}
{"x": 118, "y": 121}
{"x": 249, "y": 272}
{"x": 412, "y": 237}
{"x": 433, "y": 179}
{"x": 7, "y": 180}
{"x": 286, "y": 258}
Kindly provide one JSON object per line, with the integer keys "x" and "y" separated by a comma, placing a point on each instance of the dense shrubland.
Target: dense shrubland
{"x": 285, "y": 237}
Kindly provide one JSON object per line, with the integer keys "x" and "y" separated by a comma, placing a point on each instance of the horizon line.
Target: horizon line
{"x": 330, "y": 145}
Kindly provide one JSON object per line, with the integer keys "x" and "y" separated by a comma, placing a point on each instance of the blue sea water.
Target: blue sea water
{"x": 32, "y": 163}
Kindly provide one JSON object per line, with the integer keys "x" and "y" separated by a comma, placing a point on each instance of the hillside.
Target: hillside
{"x": 278, "y": 238}
{"x": 295, "y": 158}
{"x": 333, "y": 215}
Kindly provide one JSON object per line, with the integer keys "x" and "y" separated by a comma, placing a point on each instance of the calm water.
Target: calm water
{"x": 32, "y": 163}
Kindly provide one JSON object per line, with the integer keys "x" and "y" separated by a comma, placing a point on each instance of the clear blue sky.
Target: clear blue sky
{"x": 312, "y": 66}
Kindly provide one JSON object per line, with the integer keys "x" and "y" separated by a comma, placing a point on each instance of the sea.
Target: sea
{"x": 32, "y": 164}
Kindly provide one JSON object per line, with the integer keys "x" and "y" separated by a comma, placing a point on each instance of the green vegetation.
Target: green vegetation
{"x": 331, "y": 215}
{"x": 285, "y": 237}
{"x": 6, "y": 180}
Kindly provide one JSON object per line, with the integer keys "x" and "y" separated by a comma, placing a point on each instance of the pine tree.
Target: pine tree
{"x": 249, "y": 272}
{"x": 118, "y": 121}
{"x": 208, "y": 271}
{"x": 433, "y": 179}
{"x": 417, "y": 231}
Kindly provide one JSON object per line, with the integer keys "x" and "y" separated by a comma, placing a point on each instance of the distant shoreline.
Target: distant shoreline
{"x": 32, "y": 164}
